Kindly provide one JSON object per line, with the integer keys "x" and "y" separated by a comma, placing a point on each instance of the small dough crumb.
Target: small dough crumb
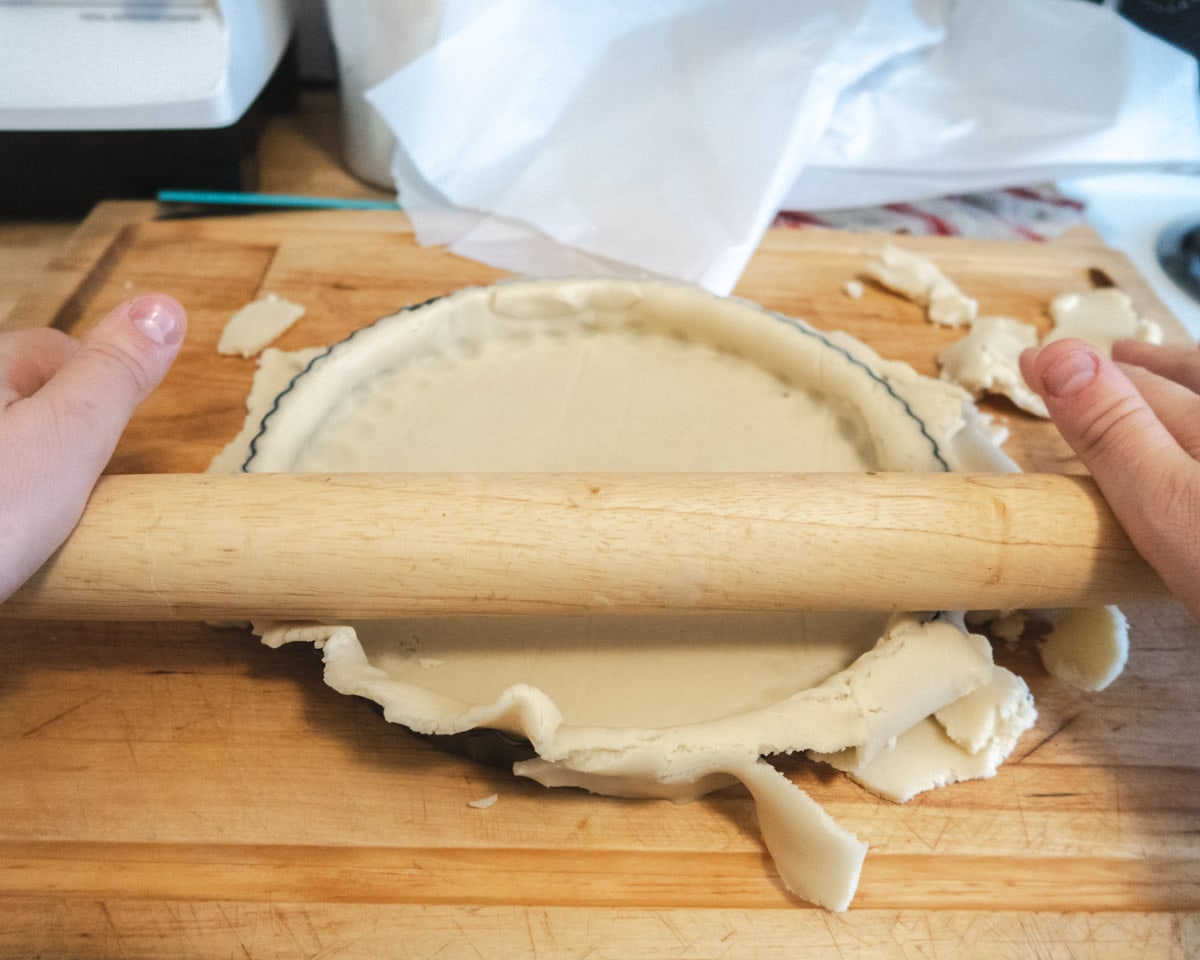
{"x": 483, "y": 802}
{"x": 257, "y": 325}
{"x": 919, "y": 280}
{"x": 987, "y": 360}
{"x": 1007, "y": 626}
{"x": 1087, "y": 647}
{"x": 1101, "y": 317}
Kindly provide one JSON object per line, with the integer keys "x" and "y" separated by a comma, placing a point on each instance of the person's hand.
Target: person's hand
{"x": 1135, "y": 424}
{"x": 63, "y": 405}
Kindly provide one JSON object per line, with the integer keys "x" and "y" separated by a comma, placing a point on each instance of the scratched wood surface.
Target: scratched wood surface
{"x": 175, "y": 790}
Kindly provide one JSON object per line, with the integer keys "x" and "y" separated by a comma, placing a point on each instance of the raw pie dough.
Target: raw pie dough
{"x": 257, "y": 325}
{"x": 601, "y": 375}
{"x": 987, "y": 359}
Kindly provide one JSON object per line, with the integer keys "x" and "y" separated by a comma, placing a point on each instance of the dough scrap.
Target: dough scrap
{"x": 990, "y": 719}
{"x": 1087, "y": 648}
{"x": 918, "y": 279}
{"x": 925, "y": 757}
{"x": 257, "y": 325}
{"x": 987, "y": 360}
{"x": 1101, "y": 317}
{"x": 968, "y": 739}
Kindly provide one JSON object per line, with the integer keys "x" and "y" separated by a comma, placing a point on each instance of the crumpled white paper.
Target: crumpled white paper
{"x": 1017, "y": 92}
{"x": 612, "y": 137}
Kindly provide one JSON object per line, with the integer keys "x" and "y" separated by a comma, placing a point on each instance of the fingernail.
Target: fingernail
{"x": 160, "y": 318}
{"x": 1070, "y": 373}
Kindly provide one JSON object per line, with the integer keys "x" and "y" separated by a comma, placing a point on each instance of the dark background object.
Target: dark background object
{"x": 1178, "y": 251}
{"x": 1177, "y": 21}
{"x": 64, "y": 173}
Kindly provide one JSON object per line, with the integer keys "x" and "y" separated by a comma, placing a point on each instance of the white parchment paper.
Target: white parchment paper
{"x": 661, "y": 138}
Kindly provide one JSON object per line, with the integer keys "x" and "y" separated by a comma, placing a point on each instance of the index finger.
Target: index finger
{"x": 1181, "y": 364}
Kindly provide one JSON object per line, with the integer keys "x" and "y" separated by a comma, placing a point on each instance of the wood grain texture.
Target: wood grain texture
{"x": 378, "y": 546}
{"x": 177, "y": 790}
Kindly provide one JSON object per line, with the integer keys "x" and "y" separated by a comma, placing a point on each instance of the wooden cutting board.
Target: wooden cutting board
{"x": 177, "y": 790}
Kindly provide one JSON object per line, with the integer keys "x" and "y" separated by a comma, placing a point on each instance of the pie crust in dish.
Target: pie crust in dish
{"x": 602, "y": 376}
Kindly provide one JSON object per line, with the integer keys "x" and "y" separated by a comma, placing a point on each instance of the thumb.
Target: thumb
{"x": 1096, "y": 408}
{"x": 1146, "y": 477}
{"x": 63, "y": 434}
{"x": 118, "y": 364}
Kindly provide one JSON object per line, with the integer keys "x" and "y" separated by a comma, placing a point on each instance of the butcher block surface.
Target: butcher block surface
{"x": 178, "y": 790}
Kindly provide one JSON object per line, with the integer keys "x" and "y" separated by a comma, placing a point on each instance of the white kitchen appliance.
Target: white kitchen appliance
{"x": 123, "y": 97}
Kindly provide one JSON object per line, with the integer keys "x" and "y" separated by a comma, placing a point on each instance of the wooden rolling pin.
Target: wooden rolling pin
{"x": 189, "y": 547}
